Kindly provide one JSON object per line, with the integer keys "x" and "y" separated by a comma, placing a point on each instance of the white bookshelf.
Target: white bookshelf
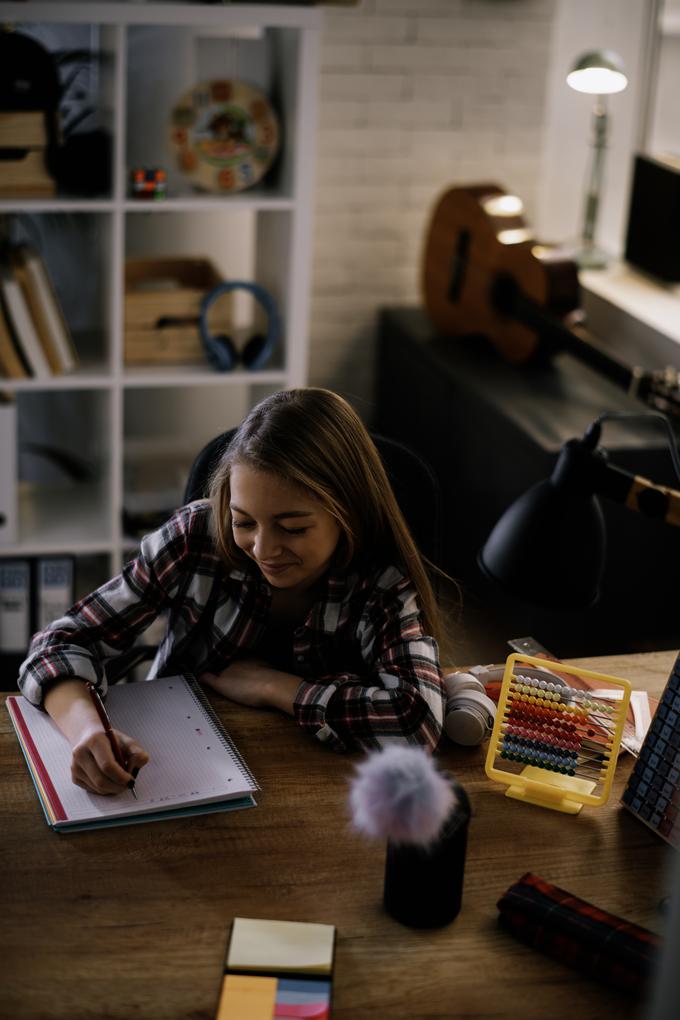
{"x": 156, "y": 51}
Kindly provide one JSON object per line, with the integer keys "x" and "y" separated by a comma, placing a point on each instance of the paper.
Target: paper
{"x": 281, "y": 946}
{"x": 304, "y": 999}
{"x": 245, "y": 997}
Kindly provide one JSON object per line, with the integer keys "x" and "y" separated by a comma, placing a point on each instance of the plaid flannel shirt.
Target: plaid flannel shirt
{"x": 369, "y": 675}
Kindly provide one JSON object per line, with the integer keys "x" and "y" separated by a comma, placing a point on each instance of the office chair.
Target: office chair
{"x": 415, "y": 486}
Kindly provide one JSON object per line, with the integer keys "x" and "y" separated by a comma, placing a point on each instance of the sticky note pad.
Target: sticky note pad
{"x": 245, "y": 997}
{"x": 303, "y": 999}
{"x": 281, "y": 946}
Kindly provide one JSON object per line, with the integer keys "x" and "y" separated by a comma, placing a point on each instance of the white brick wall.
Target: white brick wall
{"x": 416, "y": 96}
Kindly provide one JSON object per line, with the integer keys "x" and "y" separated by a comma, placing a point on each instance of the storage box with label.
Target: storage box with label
{"x": 162, "y": 309}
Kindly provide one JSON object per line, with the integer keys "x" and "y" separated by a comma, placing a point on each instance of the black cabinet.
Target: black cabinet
{"x": 490, "y": 430}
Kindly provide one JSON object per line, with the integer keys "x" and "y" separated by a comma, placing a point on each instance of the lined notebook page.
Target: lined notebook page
{"x": 192, "y": 760}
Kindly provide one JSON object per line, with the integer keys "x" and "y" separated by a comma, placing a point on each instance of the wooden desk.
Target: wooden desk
{"x": 132, "y": 922}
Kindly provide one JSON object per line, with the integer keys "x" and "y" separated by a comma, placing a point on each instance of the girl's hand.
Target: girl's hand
{"x": 94, "y": 767}
{"x": 254, "y": 683}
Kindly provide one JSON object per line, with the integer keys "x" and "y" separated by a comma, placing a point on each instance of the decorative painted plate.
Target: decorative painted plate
{"x": 225, "y": 135}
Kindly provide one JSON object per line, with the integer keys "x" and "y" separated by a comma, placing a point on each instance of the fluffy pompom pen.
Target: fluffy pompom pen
{"x": 398, "y": 795}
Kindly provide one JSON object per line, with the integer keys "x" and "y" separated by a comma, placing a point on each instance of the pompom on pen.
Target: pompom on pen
{"x": 399, "y": 795}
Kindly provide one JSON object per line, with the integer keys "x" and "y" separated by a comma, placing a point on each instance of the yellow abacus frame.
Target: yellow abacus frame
{"x": 536, "y": 785}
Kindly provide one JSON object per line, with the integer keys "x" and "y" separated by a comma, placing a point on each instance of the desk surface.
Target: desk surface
{"x": 132, "y": 922}
{"x": 547, "y": 401}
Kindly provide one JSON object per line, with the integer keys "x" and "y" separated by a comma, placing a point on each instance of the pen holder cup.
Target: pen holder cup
{"x": 424, "y": 883}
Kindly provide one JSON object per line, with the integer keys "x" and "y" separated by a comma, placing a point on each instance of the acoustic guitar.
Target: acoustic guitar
{"x": 485, "y": 273}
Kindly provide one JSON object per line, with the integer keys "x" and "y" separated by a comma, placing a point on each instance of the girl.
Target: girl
{"x": 296, "y": 586}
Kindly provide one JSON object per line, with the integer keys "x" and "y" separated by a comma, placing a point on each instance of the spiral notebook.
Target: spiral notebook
{"x": 194, "y": 766}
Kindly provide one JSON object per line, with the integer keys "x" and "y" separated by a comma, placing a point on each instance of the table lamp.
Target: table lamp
{"x": 559, "y": 524}
{"x": 599, "y": 73}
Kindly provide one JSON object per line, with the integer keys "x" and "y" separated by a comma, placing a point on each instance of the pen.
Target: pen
{"x": 108, "y": 729}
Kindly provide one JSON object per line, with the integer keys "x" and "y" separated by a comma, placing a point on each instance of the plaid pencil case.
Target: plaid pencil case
{"x": 578, "y": 934}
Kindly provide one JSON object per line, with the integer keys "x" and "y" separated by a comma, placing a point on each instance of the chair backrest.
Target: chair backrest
{"x": 415, "y": 486}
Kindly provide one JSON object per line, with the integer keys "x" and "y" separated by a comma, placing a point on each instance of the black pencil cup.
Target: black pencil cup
{"x": 424, "y": 884}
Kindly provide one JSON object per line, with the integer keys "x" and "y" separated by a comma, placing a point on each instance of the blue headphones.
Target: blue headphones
{"x": 220, "y": 350}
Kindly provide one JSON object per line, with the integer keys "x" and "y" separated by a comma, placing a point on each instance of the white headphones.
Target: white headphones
{"x": 470, "y": 712}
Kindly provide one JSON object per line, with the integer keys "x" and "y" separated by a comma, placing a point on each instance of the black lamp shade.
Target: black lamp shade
{"x": 548, "y": 548}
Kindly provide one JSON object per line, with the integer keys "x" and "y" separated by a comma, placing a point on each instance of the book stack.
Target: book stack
{"x": 35, "y": 341}
{"x": 23, "y": 146}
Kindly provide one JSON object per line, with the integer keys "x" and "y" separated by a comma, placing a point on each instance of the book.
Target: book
{"x": 15, "y": 605}
{"x": 11, "y": 364}
{"x": 640, "y": 707}
{"x": 21, "y": 323}
{"x": 194, "y": 766}
{"x": 45, "y": 309}
{"x": 277, "y": 969}
{"x": 54, "y": 592}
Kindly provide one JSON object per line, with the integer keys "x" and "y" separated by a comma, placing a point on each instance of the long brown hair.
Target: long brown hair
{"x": 315, "y": 439}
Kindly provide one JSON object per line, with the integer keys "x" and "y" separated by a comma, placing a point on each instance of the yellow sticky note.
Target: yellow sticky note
{"x": 281, "y": 946}
{"x": 245, "y": 997}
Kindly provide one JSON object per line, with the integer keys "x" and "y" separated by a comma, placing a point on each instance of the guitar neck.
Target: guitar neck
{"x": 510, "y": 301}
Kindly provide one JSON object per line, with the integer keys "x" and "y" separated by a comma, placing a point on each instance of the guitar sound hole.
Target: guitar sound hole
{"x": 459, "y": 264}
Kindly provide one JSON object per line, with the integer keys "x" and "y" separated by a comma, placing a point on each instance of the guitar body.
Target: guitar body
{"x": 476, "y": 237}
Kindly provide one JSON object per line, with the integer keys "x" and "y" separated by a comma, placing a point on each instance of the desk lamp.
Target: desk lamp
{"x": 558, "y": 523}
{"x": 599, "y": 73}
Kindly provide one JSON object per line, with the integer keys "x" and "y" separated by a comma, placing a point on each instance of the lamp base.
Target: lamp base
{"x": 589, "y": 256}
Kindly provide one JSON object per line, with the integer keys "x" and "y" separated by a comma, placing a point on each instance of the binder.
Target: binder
{"x": 33, "y": 593}
{"x": 8, "y": 470}
{"x": 15, "y": 606}
{"x": 54, "y": 592}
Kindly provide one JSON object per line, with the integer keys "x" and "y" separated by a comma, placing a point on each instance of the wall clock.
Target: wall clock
{"x": 225, "y": 135}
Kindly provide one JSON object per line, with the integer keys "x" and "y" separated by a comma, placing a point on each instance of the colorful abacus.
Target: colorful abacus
{"x": 555, "y": 744}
